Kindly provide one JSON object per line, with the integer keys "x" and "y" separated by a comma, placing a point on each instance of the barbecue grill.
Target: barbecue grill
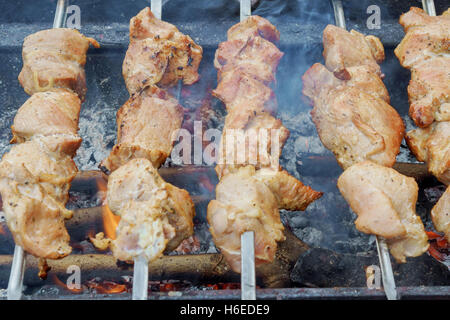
{"x": 324, "y": 256}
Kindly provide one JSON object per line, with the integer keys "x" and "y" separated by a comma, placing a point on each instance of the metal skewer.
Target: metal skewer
{"x": 428, "y": 6}
{"x": 387, "y": 274}
{"x": 15, "y": 283}
{"x": 248, "y": 280}
{"x": 140, "y": 270}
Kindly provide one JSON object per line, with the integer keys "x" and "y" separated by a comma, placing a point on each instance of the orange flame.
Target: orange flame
{"x": 62, "y": 284}
{"x": 110, "y": 220}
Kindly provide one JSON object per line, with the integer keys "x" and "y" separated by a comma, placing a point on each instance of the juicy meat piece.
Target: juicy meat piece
{"x": 432, "y": 145}
{"x": 429, "y": 91}
{"x": 425, "y": 37}
{"x": 318, "y": 78}
{"x": 159, "y": 54}
{"x": 357, "y": 126}
{"x": 145, "y": 63}
{"x": 244, "y": 95}
{"x": 343, "y": 49}
{"x": 155, "y": 215}
{"x": 47, "y": 113}
{"x": 55, "y": 58}
{"x": 254, "y": 26}
{"x": 351, "y": 110}
{"x": 258, "y": 142}
{"x": 147, "y": 125}
{"x": 35, "y": 179}
{"x": 249, "y": 200}
{"x": 417, "y": 17}
{"x": 440, "y": 214}
{"x": 385, "y": 203}
{"x": 255, "y": 57}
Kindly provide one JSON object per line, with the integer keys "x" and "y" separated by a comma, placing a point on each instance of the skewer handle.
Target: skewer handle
{"x": 15, "y": 284}
{"x": 140, "y": 278}
{"x": 60, "y": 14}
{"x": 386, "y": 269}
{"x": 246, "y": 9}
{"x": 428, "y": 6}
{"x": 339, "y": 16}
{"x": 248, "y": 281}
{"x": 156, "y": 7}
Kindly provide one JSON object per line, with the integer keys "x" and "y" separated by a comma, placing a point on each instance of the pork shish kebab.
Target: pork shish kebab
{"x": 376, "y": 135}
{"x": 339, "y": 59}
{"x": 425, "y": 50}
{"x": 354, "y": 120}
{"x": 35, "y": 174}
{"x": 248, "y": 197}
{"x": 155, "y": 215}
{"x": 351, "y": 104}
{"x": 147, "y": 121}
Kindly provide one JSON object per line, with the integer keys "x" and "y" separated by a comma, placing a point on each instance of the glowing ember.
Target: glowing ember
{"x": 438, "y": 246}
{"x": 106, "y": 286}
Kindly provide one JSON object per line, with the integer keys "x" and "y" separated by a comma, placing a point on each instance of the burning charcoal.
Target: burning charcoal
{"x": 325, "y": 268}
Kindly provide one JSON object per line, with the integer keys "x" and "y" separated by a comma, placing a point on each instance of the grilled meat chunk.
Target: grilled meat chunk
{"x": 357, "y": 126}
{"x": 429, "y": 91}
{"x": 55, "y": 58}
{"x": 259, "y": 142}
{"x": 425, "y": 50}
{"x": 440, "y": 214}
{"x": 255, "y": 57}
{"x": 159, "y": 54}
{"x": 147, "y": 125}
{"x": 249, "y": 200}
{"x": 254, "y": 26}
{"x": 432, "y": 145}
{"x": 155, "y": 215}
{"x": 343, "y": 49}
{"x": 318, "y": 78}
{"x": 35, "y": 179}
{"x": 385, "y": 203}
{"x": 47, "y": 113}
{"x": 351, "y": 110}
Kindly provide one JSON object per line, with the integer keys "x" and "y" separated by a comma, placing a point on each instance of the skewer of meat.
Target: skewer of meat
{"x": 425, "y": 51}
{"x": 155, "y": 215}
{"x": 35, "y": 174}
{"x": 244, "y": 218}
{"x": 429, "y": 94}
{"x": 354, "y": 120}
